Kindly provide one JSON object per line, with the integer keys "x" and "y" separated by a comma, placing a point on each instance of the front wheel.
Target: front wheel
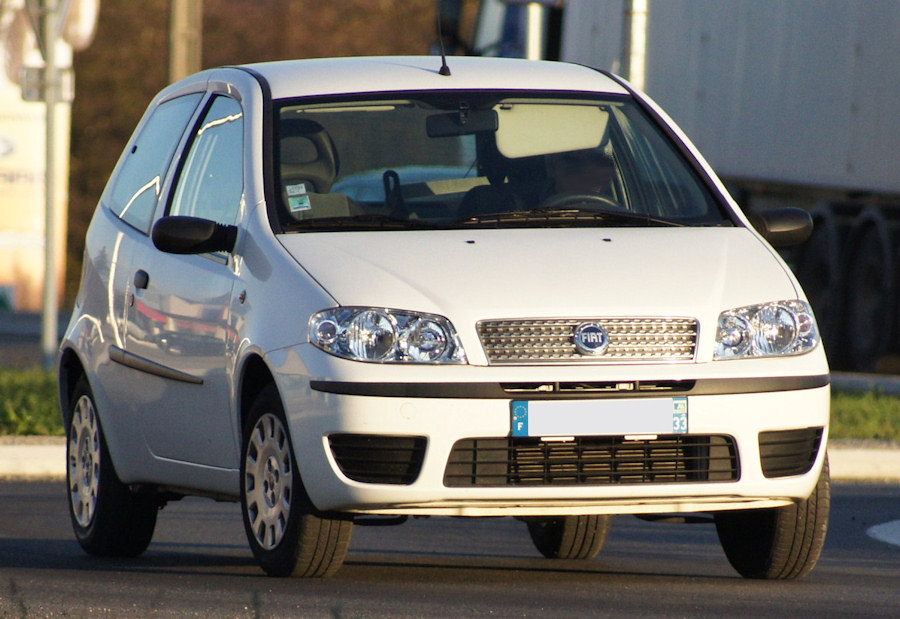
{"x": 569, "y": 537}
{"x": 107, "y": 517}
{"x": 777, "y": 543}
{"x": 287, "y": 535}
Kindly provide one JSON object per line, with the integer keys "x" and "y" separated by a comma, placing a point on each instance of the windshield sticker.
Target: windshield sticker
{"x": 298, "y": 199}
{"x": 297, "y": 189}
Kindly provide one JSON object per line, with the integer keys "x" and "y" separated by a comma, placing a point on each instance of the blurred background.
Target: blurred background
{"x": 792, "y": 101}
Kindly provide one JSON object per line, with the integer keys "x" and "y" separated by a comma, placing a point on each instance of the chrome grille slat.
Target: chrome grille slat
{"x": 550, "y": 340}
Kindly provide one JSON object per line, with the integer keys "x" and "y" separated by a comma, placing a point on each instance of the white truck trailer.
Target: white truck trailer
{"x": 794, "y": 102}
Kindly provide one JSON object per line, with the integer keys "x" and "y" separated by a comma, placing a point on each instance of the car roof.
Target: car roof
{"x": 328, "y": 76}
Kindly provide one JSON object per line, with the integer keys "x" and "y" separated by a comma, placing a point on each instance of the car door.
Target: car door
{"x": 180, "y": 323}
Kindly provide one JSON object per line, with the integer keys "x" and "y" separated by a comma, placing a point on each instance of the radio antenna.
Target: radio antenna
{"x": 445, "y": 70}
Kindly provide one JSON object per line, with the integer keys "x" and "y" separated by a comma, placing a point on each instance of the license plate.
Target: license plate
{"x": 599, "y": 417}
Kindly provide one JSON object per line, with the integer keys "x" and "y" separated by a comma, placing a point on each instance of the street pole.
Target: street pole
{"x": 50, "y": 316}
{"x": 634, "y": 42}
{"x": 185, "y": 38}
{"x": 534, "y": 41}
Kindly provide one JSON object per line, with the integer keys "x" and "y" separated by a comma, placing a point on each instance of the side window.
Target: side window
{"x": 139, "y": 179}
{"x": 211, "y": 183}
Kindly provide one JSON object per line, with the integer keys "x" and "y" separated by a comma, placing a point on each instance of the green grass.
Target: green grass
{"x": 28, "y": 403}
{"x": 28, "y": 406}
{"x": 865, "y": 415}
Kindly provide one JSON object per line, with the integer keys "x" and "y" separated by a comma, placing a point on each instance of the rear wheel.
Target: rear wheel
{"x": 777, "y": 543}
{"x": 107, "y": 517}
{"x": 569, "y": 537}
{"x": 287, "y": 535}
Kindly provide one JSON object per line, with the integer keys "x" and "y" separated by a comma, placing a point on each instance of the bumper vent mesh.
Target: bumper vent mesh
{"x": 630, "y": 340}
{"x": 789, "y": 452}
{"x": 591, "y": 460}
{"x": 378, "y": 459}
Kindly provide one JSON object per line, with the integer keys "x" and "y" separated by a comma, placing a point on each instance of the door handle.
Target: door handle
{"x": 141, "y": 279}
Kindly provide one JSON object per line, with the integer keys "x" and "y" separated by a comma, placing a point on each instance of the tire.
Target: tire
{"x": 819, "y": 272}
{"x": 287, "y": 535}
{"x": 869, "y": 295}
{"x": 569, "y": 537}
{"x": 109, "y": 519}
{"x": 778, "y": 543}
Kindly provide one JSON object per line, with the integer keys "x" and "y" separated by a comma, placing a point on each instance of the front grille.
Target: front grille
{"x": 630, "y": 340}
{"x": 617, "y": 388}
{"x": 591, "y": 460}
{"x": 378, "y": 459}
{"x": 789, "y": 452}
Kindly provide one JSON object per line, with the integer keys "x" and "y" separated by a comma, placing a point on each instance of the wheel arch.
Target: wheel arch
{"x": 254, "y": 378}
{"x": 70, "y": 369}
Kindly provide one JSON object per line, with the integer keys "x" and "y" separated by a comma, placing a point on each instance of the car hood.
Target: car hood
{"x": 470, "y": 275}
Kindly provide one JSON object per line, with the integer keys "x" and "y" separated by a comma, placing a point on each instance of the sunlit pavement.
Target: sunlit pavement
{"x": 32, "y": 457}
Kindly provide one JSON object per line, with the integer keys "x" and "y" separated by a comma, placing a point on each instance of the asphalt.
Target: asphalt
{"x": 32, "y": 457}
{"x": 29, "y": 457}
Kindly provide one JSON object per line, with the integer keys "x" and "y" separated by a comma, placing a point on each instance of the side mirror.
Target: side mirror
{"x": 192, "y": 235}
{"x": 783, "y": 227}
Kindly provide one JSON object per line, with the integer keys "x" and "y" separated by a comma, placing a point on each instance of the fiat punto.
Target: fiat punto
{"x": 349, "y": 291}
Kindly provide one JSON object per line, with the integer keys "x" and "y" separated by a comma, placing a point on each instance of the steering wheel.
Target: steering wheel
{"x": 564, "y": 199}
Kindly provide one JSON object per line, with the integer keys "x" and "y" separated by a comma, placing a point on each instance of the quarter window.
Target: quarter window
{"x": 143, "y": 168}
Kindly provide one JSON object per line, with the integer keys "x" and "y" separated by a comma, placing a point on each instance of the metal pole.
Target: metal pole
{"x": 50, "y": 316}
{"x": 634, "y": 42}
{"x": 185, "y": 38}
{"x": 534, "y": 44}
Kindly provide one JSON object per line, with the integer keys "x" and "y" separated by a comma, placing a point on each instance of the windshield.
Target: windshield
{"x": 458, "y": 160}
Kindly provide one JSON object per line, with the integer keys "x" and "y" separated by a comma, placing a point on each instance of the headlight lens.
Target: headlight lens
{"x": 385, "y": 336}
{"x": 768, "y": 330}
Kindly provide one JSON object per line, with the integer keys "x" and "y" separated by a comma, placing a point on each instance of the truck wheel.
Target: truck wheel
{"x": 819, "y": 272}
{"x": 777, "y": 543}
{"x": 107, "y": 517}
{"x": 569, "y": 537}
{"x": 287, "y": 535}
{"x": 870, "y": 297}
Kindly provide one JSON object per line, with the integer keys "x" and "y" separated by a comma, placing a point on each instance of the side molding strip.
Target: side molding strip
{"x": 150, "y": 367}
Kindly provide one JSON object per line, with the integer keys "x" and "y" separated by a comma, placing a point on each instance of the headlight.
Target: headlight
{"x": 385, "y": 336}
{"x": 768, "y": 330}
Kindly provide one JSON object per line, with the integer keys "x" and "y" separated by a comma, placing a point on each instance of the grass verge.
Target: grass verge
{"x": 28, "y": 406}
{"x": 869, "y": 415}
{"x": 28, "y": 403}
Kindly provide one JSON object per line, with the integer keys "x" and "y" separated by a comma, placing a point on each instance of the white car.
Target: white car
{"x": 355, "y": 290}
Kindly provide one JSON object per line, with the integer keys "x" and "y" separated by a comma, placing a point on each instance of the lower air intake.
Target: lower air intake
{"x": 789, "y": 452}
{"x": 591, "y": 460}
{"x": 378, "y": 459}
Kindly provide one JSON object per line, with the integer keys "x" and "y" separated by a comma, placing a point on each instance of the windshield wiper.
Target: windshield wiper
{"x": 570, "y": 214}
{"x": 368, "y": 221}
{"x": 601, "y": 213}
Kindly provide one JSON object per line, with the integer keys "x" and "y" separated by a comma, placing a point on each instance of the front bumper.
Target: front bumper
{"x": 320, "y": 411}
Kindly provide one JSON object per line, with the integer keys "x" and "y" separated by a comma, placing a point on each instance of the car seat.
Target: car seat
{"x": 309, "y": 164}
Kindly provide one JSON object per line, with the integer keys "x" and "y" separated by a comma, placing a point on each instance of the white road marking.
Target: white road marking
{"x": 888, "y": 532}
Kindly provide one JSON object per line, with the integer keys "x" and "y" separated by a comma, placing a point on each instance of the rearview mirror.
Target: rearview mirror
{"x": 192, "y": 235}
{"x": 463, "y": 122}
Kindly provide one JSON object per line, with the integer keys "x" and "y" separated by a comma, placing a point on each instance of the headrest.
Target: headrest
{"x": 307, "y": 154}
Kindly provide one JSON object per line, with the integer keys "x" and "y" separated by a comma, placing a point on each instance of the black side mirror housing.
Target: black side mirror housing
{"x": 783, "y": 227}
{"x": 192, "y": 235}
